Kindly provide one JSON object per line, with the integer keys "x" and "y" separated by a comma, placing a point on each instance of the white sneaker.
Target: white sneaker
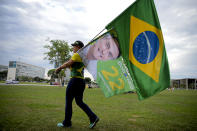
{"x": 60, "y": 125}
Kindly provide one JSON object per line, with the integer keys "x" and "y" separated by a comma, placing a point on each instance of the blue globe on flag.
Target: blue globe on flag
{"x": 146, "y": 46}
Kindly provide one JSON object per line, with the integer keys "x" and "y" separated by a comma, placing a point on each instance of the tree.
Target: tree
{"x": 58, "y": 52}
{"x": 3, "y": 75}
{"x": 62, "y": 75}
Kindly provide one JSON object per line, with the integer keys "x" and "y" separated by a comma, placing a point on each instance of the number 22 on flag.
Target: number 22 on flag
{"x": 109, "y": 75}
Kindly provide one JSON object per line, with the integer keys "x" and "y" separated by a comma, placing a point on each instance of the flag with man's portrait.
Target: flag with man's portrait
{"x": 104, "y": 62}
{"x": 142, "y": 47}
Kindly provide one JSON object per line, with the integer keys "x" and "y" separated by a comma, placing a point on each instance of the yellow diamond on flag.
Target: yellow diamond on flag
{"x": 146, "y": 47}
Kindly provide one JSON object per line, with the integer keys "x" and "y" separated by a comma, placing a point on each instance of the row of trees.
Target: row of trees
{"x": 3, "y": 75}
{"x": 30, "y": 79}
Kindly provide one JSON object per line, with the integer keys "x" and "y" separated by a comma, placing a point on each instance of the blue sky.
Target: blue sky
{"x": 27, "y": 25}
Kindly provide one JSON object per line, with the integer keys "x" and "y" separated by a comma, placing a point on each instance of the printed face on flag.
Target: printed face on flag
{"x": 105, "y": 48}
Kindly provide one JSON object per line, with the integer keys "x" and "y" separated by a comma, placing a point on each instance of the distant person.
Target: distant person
{"x": 62, "y": 82}
{"x": 105, "y": 48}
{"x": 76, "y": 88}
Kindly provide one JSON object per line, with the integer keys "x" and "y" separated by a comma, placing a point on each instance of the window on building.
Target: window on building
{"x": 12, "y": 64}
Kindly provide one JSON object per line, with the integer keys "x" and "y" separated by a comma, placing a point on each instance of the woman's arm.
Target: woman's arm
{"x": 65, "y": 65}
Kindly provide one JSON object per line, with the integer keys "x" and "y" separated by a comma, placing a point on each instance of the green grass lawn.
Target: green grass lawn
{"x": 41, "y": 108}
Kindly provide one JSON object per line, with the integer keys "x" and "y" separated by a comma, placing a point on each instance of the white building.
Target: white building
{"x": 3, "y": 68}
{"x": 17, "y": 68}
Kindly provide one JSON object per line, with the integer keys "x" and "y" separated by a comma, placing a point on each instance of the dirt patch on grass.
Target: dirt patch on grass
{"x": 132, "y": 119}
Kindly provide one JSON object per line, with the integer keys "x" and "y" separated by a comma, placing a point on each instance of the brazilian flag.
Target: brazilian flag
{"x": 142, "y": 47}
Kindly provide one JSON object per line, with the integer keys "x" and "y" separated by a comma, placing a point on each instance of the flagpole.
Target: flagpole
{"x": 93, "y": 38}
{"x": 97, "y": 35}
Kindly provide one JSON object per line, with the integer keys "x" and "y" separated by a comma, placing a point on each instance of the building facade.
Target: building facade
{"x": 17, "y": 68}
{"x": 187, "y": 83}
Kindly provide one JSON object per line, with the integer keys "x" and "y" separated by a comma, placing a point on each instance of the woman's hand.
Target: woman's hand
{"x": 58, "y": 70}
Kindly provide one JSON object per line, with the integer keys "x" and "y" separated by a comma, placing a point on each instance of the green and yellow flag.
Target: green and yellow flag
{"x": 142, "y": 47}
{"x": 102, "y": 59}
